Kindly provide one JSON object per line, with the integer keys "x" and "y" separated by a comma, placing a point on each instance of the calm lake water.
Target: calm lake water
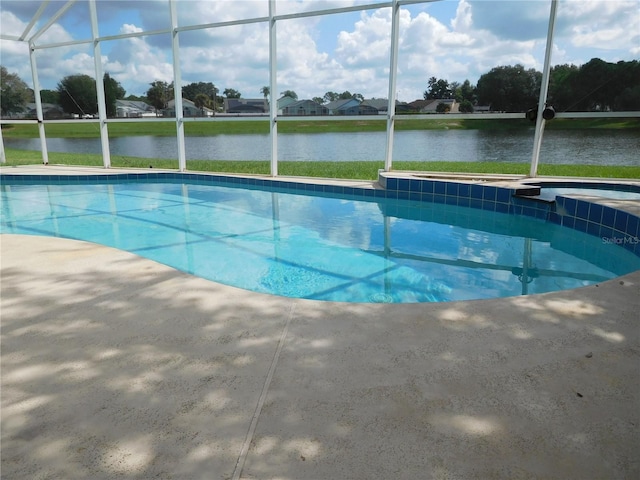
{"x": 609, "y": 147}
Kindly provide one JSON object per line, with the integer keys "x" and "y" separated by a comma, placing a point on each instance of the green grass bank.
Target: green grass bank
{"x": 216, "y": 126}
{"x": 343, "y": 170}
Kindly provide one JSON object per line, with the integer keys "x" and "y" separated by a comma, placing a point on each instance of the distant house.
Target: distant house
{"x": 431, "y": 105}
{"x": 304, "y": 107}
{"x": 50, "y": 111}
{"x": 419, "y": 106}
{"x": 189, "y": 109}
{"x": 379, "y": 105}
{"x": 246, "y": 105}
{"x": 283, "y": 102}
{"x": 348, "y": 106}
{"x": 403, "y": 107}
{"x": 133, "y": 109}
{"x": 366, "y": 109}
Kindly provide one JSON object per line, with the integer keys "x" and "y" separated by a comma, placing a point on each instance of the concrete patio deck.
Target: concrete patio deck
{"x": 114, "y": 366}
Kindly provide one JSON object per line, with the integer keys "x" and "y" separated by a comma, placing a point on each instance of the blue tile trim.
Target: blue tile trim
{"x": 427, "y": 186}
{"x": 595, "y": 213}
{"x": 620, "y": 222}
{"x": 633, "y": 226}
{"x": 502, "y": 195}
{"x": 451, "y": 189}
{"x": 491, "y": 194}
{"x": 582, "y": 210}
{"x": 477, "y": 191}
{"x": 415, "y": 186}
{"x": 608, "y": 216}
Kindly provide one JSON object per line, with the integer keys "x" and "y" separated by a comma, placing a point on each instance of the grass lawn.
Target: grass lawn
{"x": 89, "y": 129}
{"x": 346, "y": 170}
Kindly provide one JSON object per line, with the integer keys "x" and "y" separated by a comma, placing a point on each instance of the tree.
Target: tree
{"x": 137, "y": 98}
{"x": 454, "y": 88}
{"x": 467, "y": 92}
{"x": 77, "y": 95}
{"x": 112, "y": 92}
{"x": 629, "y": 99}
{"x": 597, "y": 86}
{"x": 159, "y": 94}
{"x": 289, "y": 93}
{"x": 231, "y": 93}
{"x": 438, "y": 89}
{"x": 202, "y": 100}
{"x": 15, "y": 93}
{"x": 192, "y": 90}
{"x": 443, "y": 108}
{"x": 604, "y": 86}
{"x": 318, "y": 100}
{"x": 509, "y": 88}
{"x": 50, "y": 96}
{"x": 563, "y": 86}
{"x": 346, "y": 95}
{"x": 265, "y": 91}
{"x": 466, "y": 107}
{"x": 331, "y": 96}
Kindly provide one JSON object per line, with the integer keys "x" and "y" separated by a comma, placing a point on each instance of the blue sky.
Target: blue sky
{"x": 450, "y": 39}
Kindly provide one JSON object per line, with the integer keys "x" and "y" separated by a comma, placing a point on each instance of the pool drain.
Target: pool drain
{"x": 381, "y": 298}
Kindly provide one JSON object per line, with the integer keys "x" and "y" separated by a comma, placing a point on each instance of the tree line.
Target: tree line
{"x": 594, "y": 86}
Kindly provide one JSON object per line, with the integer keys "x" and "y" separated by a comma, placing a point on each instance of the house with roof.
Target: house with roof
{"x": 246, "y": 105}
{"x": 133, "y": 109}
{"x": 345, "y": 106}
{"x": 365, "y": 109}
{"x": 189, "y": 109}
{"x": 50, "y": 111}
{"x": 431, "y": 105}
{"x": 374, "y": 106}
{"x": 284, "y": 102}
{"x": 304, "y": 107}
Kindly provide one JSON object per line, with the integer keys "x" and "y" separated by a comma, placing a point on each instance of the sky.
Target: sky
{"x": 455, "y": 40}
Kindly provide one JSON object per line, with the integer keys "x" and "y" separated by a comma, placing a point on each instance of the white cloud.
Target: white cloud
{"x": 601, "y": 25}
{"x": 457, "y": 46}
{"x": 135, "y": 63}
{"x": 368, "y": 44}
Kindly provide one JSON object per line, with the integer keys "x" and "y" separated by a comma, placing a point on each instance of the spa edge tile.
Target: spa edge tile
{"x": 620, "y": 222}
{"x": 477, "y": 191}
{"x": 580, "y": 225}
{"x": 490, "y": 194}
{"x": 582, "y": 210}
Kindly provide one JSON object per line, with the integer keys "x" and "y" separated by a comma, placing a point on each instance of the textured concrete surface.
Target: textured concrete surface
{"x": 114, "y": 366}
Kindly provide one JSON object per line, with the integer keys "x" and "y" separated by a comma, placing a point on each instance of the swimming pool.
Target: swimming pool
{"x": 316, "y": 243}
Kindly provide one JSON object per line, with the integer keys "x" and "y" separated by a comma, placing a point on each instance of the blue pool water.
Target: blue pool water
{"x": 347, "y": 248}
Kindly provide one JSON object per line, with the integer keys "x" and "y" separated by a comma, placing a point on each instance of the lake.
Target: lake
{"x": 608, "y": 147}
